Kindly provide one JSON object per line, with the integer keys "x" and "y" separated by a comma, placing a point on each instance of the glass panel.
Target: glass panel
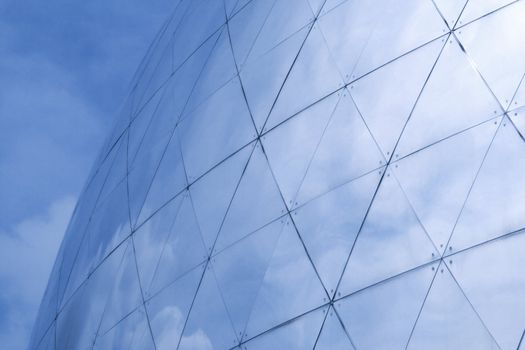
{"x": 280, "y": 25}
{"x": 333, "y": 335}
{"x": 447, "y": 167}
{"x": 291, "y": 146}
{"x": 131, "y": 333}
{"x": 150, "y": 62}
{"x": 478, "y": 8}
{"x": 157, "y": 79}
{"x": 143, "y": 121}
{"x": 376, "y": 34}
{"x": 329, "y": 224}
{"x": 150, "y": 238}
{"x": 79, "y": 319}
{"x": 492, "y": 278}
{"x": 299, "y": 334}
{"x": 290, "y": 286}
{"x": 314, "y": 75}
{"x": 400, "y": 26}
{"x": 219, "y": 69}
{"x": 494, "y": 39}
{"x": 158, "y": 134}
{"x": 108, "y": 227}
{"x": 212, "y": 194}
{"x": 257, "y": 187}
{"x": 357, "y": 153}
{"x": 495, "y": 204}
{"x": 169, "y": 180}
{"x": 454, "y": 99}
{"x": 240, "y": 270}
{"x": 169, "y": 309}
{"x": 447, "y": 320}
{"x": 386, "y": 96}
{"x": 182, "y": 250}
{"x": 126, "y": 293}
{"x": 391, "y": 240}
{"x": 382, "y": 316}
{"x": 263, "y": 77}
{"x": 215, "y": 130}
{"x": 208, "y": 325}
{"x": 450, "y": 10}
{"x": 202, "y": 20}
{"x": 246, "y": 26}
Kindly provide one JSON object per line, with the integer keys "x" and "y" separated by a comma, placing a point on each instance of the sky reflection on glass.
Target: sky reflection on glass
{"x": 307, "y": 174}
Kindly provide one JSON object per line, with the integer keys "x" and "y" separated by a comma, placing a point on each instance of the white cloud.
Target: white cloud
{"x": 27, "y": 255}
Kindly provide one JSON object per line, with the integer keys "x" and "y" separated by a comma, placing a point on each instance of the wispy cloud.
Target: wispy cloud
{"x": 28, "y": 252}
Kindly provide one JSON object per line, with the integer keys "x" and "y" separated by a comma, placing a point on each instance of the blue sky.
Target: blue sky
{"x": 65, "y": 68}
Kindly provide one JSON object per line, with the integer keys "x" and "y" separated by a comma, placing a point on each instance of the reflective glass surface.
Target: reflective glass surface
{"x": 307, "y": 174}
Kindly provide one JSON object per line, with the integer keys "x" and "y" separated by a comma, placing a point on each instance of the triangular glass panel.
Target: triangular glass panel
{"x": 212, "y": 193}
{"x": 107, "y": 228}
{"x": 291, "y": 146}
{"x": 375, "y": 34}
{"x": 144, "y": 165}
{"x": 262, "y": 78}
{"x": 390, "y": 242}
{"x": 382, "y": 316}
{"x": 447, "y": 319}
{"x": 314, "y": 75}
{"x": 169, "y": 180}
{"x": 151, "y": 236}
{"x": 258, "y": 188}
{"x": 478, "y": 8}
{"x": 448, "y": 167}
{"x": 202, "y": 20}
{"x": 208, "y": 325}
{"x": 492, "y": 278}
{"x": 182, "y": 250}
{"x": 246, "y": 26}
{"x": 329, "y": 225}
{"x": 493, "y": 39}
{"x": 215, "y": 130}
{"x": 240, "y": 269}
{"x": 298, "y": 334}
{"x": 151, "y": 61}
{"x": 142, "y": 122}
{"x": 89, "y": 300}
{"x": 125, "y": 293}
{"x": 357, "y": 153}
{"x": 386, "y": 96}
{"x": 400, "y": 26}
{"x": 132, "y": 333}
{"x": 450, "y": 10}
{"x": 279, "y": 26}
{"x": 154, "y": 82}
{"x": 454, "y": 98}
{"x": 290, "y": 286}
{"x": 495, "y": 204}
{"x": 169, "y": 309}
{"x": 333, "y": 336}
{"x": 219, "y": 69}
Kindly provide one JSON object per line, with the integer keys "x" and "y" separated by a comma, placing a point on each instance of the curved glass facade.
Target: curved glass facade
{"x": 298, "y": 174}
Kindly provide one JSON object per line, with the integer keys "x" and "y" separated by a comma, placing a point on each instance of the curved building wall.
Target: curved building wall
{"x": 298, "y": 174}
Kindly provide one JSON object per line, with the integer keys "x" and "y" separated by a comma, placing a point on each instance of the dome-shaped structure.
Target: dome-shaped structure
{"x": 298, "y": 174}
